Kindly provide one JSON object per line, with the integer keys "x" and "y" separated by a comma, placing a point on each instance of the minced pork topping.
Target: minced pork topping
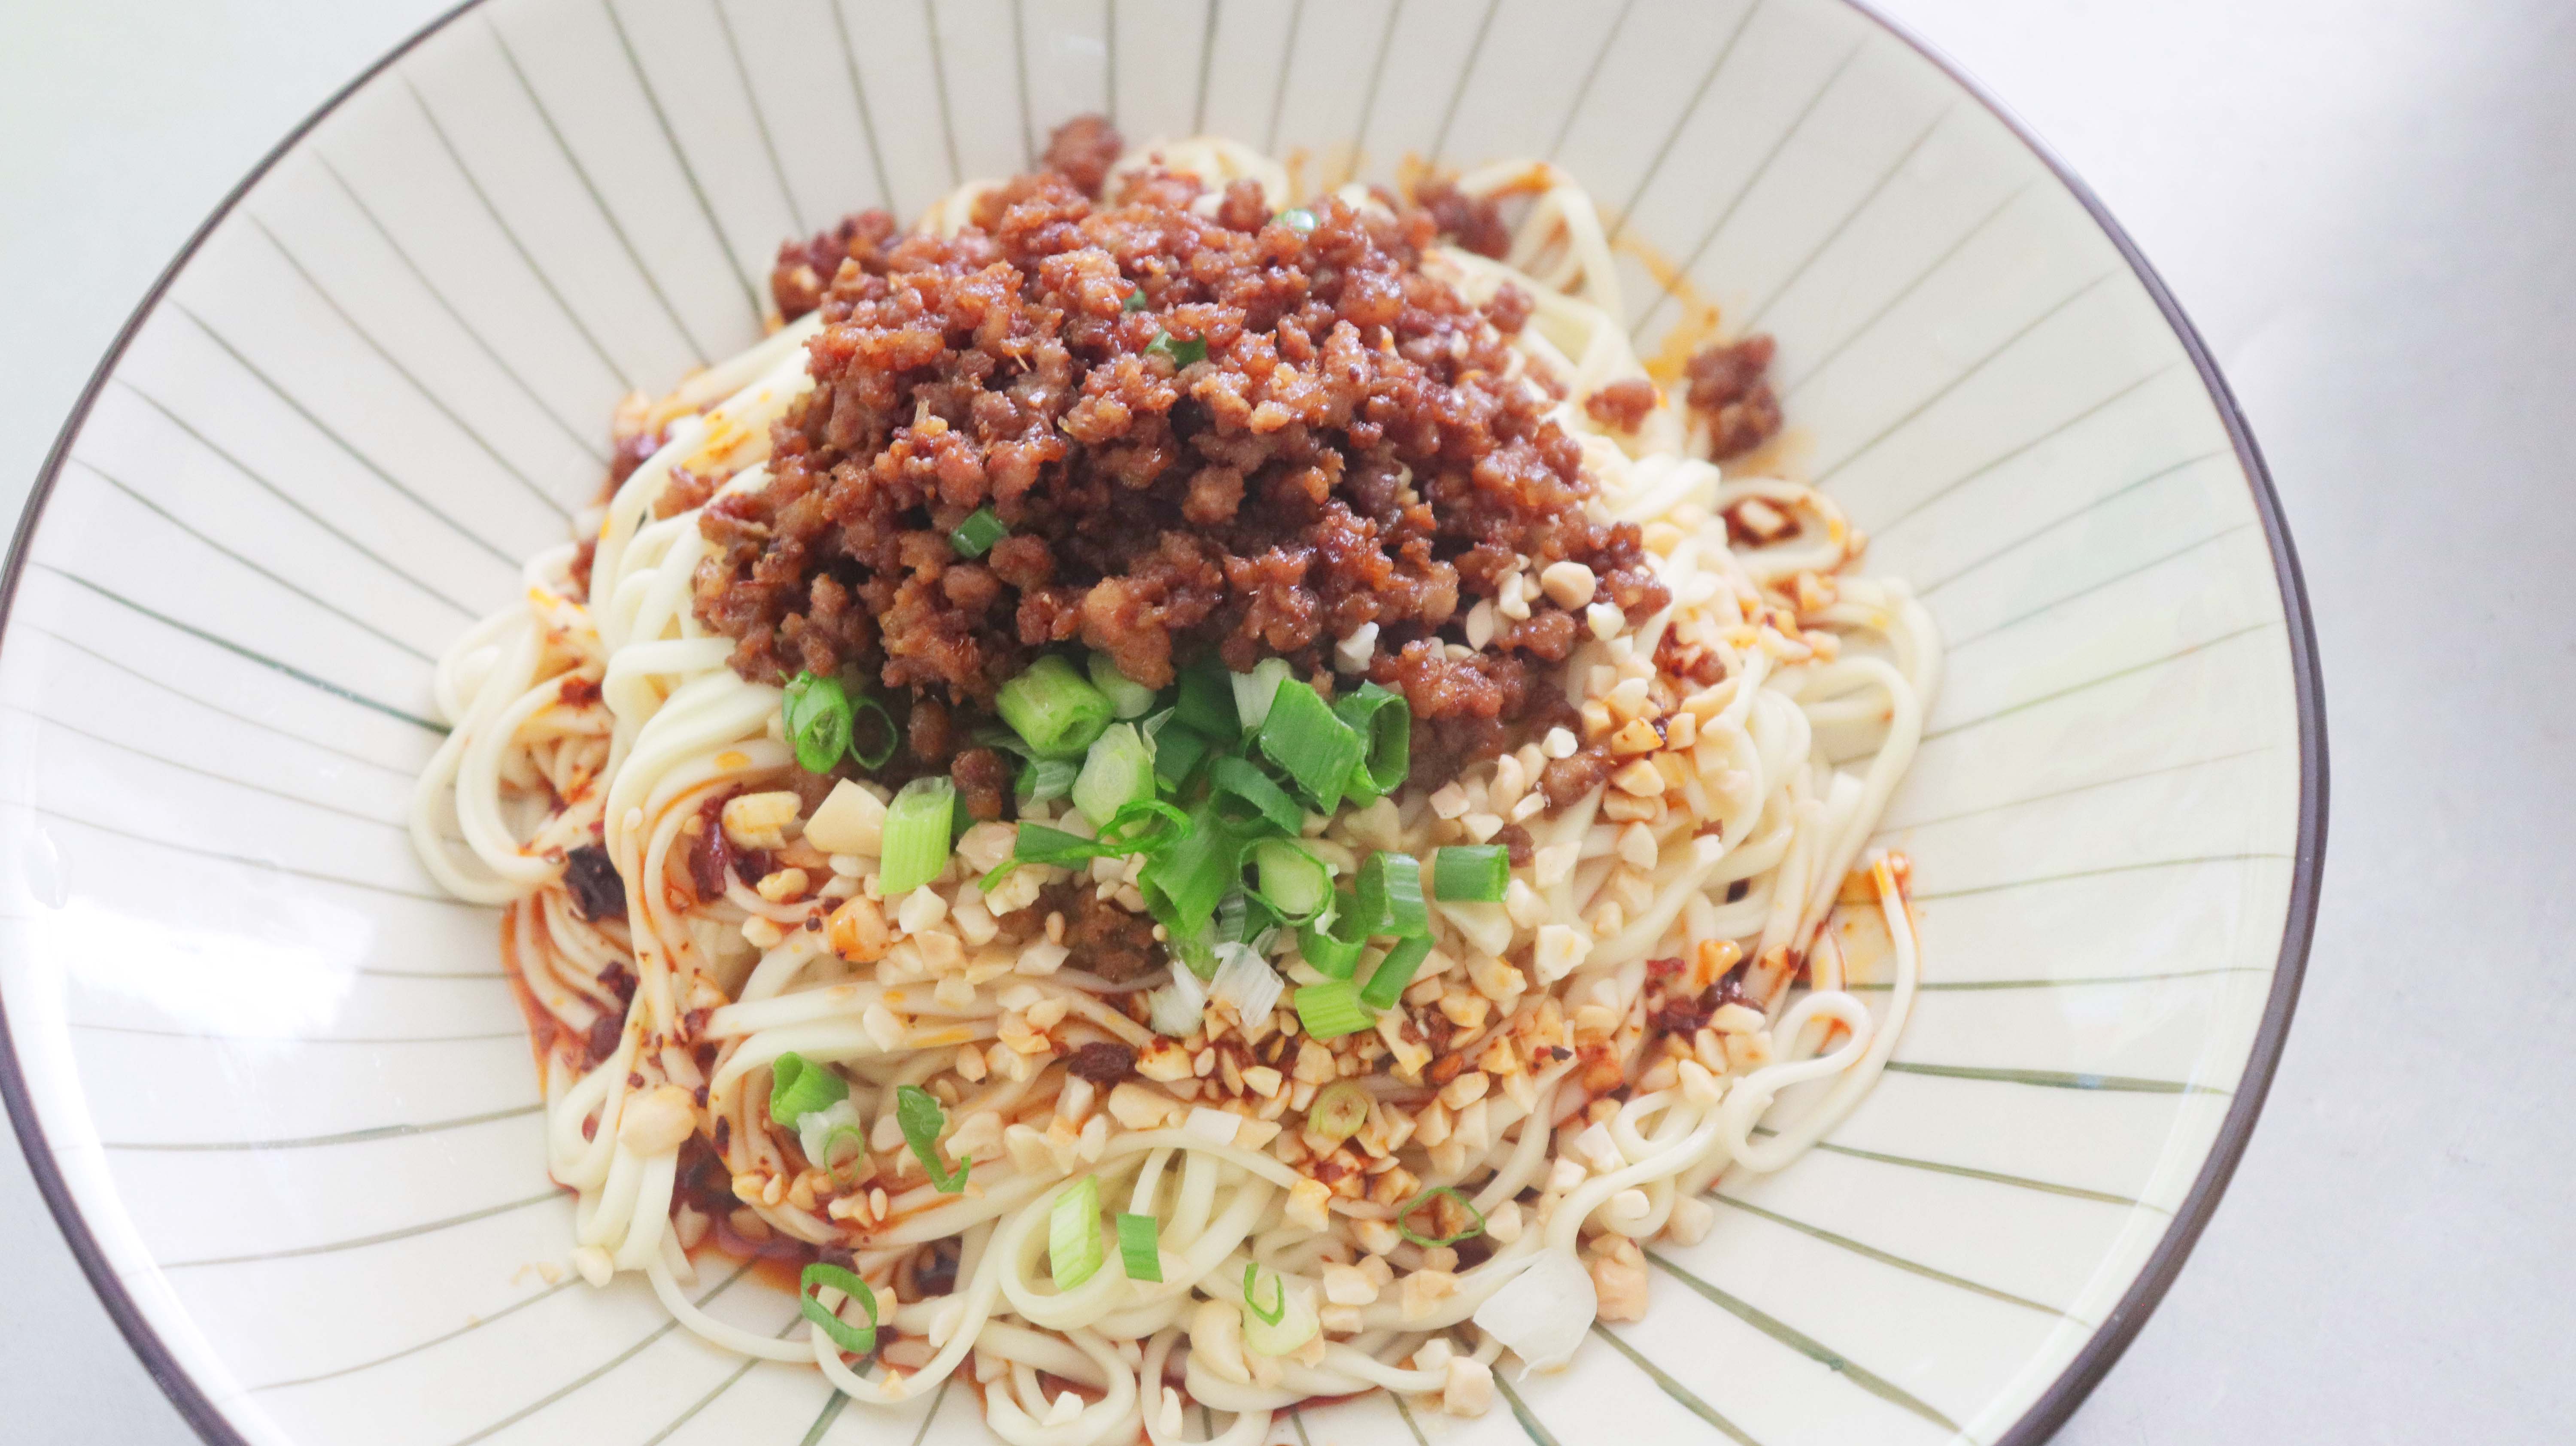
{"x": 1249, "y": 434}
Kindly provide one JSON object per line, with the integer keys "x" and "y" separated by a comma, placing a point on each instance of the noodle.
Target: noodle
{"x": 1588, "y": 1122}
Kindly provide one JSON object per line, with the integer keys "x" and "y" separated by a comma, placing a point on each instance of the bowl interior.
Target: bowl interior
{"x": 283, "y": 1094}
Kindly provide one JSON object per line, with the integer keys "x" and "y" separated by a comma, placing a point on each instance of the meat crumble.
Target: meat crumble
{"x": 1205, "y": 433}
{"x": 1730, "y": 388}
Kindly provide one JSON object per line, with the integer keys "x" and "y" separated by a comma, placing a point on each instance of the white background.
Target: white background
{"x": 2369, "y": 207}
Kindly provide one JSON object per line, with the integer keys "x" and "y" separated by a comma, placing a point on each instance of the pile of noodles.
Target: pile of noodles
{"x": 618, "y": 719}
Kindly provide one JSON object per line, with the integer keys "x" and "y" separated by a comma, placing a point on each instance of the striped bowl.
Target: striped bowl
{"x": 274, "y": 1084}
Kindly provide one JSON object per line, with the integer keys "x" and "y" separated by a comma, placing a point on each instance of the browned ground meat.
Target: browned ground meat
{"x": 1475, "y": 224}
{"x": 629, "y": 454}
{"x": 1082, "y": 150}
{"x": 1104, "y": 939}
{"x": 805, "y": 268}
{"x": 1570, "y": 778}
{"x": 685, "y": 490}
{"x": 1348, "y": 452}
{"x": 1728, "y": 386}
{"x": 1622, "y": 404}
{"x": 584, "y": 554}
{"x": 983, "y": 782}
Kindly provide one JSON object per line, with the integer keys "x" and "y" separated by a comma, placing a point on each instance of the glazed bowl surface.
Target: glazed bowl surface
{"x": 280, "y": 1095}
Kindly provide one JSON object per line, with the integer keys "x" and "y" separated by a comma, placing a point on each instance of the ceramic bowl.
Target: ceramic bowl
{"x": 277, "y": 1090}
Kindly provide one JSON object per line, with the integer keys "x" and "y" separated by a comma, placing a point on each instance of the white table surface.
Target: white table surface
{"x": 2370, "y": 209}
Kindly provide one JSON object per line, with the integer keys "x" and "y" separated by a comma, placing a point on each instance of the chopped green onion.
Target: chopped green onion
{"x": 1177, "y": 754}
{"x": 1053, "y": 708}
{"x": 1143, "y": 827}
{"x": 1118, "y": 772}
{"x": 1232, "y": 914}
{"x": 1073, "y": 1233}
{"x": 1254, "y": 690}
{"x": 873, "y": 736}
{"x": 844, "y": 1168}
{"x": 1040, "y": 844}
{"x": 1293, "y": 882}
{"x": 1425, "y": 1198}
{"x": 1394, "y": 972}
{"x": 917, "y": 1113}
{"x": 1326, "y": 942}
{"x": 1187, "y": 879}
{"x": 1135, "y": 300}
{"x": 1207, "y": 700}
{"x": 1127, "y": 697}
{"x": 1471, "y": 873}
{"x": 917, "y": 835}
{"x": 1391, "y": 896}
{"x": 1178, "y": 352}
{"x": 817, "y": 714}
{"x": 798, "y": 1087}
{"x": 1131, "y": 830}
{"x": 1298, "y": 219}
{"x": 1042, "y": 779}
{"x": 1331, "y": 1009}
{"x": 1278, "y": 1310}
{"x": 856, "y": 1340}
{"x": 1385, "y": 720}
{"x": 1339, "y": 1110}
{"x": 976, "y": 535}
{"x": 1312, "y": 746}
{"x": 1140, "y": 1246}
{"x": 1232, "y": 778}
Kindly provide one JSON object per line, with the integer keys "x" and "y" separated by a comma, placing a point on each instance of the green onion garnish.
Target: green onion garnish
{"x": 1298, "y": 219}
{"x": 1254, "y": 690}
{"x": 872, "y": 732}
{"x": 1135, "y": 300}
{"x": 1042, "y": 779}
{"x": 1391, "y": 896}
{"x": 1425, "y": 1198}
{"x": 916, "y": 835}
{"x": 1385, "y": 720}
{"x": 798, "y": 1087}
{"x": 1140, "y": 1246}
{"x": 818, "y": 721}
{"x": 1294, "y": 884}
{"x": 1327, "y": 942}
{"x": 1471, "y": 873}
{"x": 1339, "y": 1110}
{"x": 917, "y": 1113}
{"x": 1177, "y": 754}
{"x": 1143, "y": 827}
{"x": 1053, "y": 708}
{"x": 1073, "y": 1233}
{"x": 976, "y": 535}
{"x": 1178, "y": 352}
{"x": 856, "y": 1340}
{"x": 1231, "y": 778}
{"x": 1190, "y": 875}
{"x": 1127, "y": 697}
{"x": 1394, "y": 972}
{"x": 1312, "y": 746}
{"x": 1207, "y": 700}
{"x": 1233, "y": 915}
{"x": 1278, "y": 1310}
{"x": 1331, "y": 1009}
{"x": 1118, "y": 772}
{"x": 844, "y": 1167}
